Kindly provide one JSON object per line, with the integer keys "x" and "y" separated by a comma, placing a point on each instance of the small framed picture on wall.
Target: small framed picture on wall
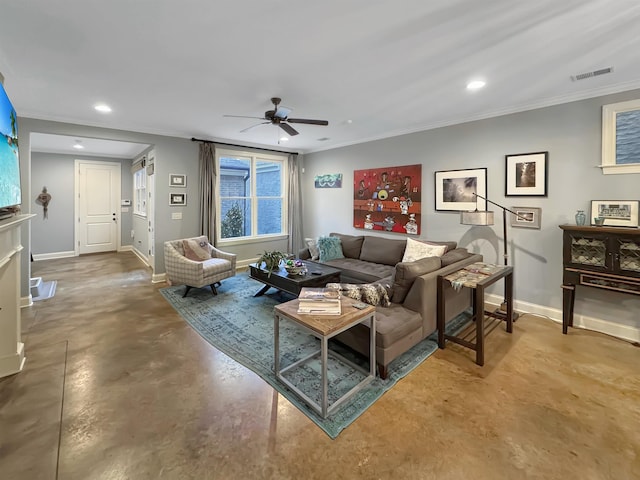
{"x": 176, "y": 180}
{"x": 177, "y": 199}
{"x": 526, "y": 174}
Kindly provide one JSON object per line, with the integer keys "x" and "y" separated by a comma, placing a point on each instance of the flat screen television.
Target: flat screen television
{"x": 9, "y": 162}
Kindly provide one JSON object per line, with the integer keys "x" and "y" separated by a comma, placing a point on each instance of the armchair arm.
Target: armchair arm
{"x": 216, "y": 252}
{"x": 180, "y": 269}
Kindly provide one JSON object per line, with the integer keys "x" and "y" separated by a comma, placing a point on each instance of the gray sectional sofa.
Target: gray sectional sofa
{"x": 412, "y": 286}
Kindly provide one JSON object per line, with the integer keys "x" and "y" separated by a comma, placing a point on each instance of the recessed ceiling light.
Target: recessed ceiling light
{"x": 78, "y": 145}
{"x": 475, "y": 84}
{"x": 284, "y": 139}
{"x": 102, "y": 108}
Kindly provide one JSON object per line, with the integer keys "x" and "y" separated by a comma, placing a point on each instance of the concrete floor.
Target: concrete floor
{"x": 117, "y": 386}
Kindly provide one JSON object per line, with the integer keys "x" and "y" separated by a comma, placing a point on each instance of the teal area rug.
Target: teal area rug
{"x": 241, "y": 326}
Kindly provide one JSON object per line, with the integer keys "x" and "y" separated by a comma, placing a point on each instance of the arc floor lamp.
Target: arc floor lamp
{"x": 478, "y": 217}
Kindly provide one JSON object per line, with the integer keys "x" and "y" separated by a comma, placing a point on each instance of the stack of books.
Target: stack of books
{"x": 319, "y": 301}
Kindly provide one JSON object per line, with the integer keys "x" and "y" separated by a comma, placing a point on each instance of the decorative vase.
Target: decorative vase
{"x": 580, "y": 217}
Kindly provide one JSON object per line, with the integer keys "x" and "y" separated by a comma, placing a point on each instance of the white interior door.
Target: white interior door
{"x": 97, "y": 206}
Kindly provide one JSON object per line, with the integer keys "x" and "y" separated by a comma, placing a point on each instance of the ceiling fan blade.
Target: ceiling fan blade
{"x": 252, "y": 126}
{"x": 288, "y": 128}
{"x": 308, "y": 121}
{"x": 243, "y": 116}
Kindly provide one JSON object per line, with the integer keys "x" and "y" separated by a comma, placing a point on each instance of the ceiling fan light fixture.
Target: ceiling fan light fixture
{"x": 476, "y": 84}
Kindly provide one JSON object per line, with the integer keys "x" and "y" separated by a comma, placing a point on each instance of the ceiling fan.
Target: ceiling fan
{"x": 280, "y": 116}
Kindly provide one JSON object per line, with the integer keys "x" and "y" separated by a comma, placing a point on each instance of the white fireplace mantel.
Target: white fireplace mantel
{"x": 11, "y": 347}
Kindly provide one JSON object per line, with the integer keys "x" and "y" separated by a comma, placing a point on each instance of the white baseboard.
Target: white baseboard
{"x": 158, "y": 277}
{"x": 26, "y": 301}
{"x": 53, "y": 255}
{"x": 141, "y": 256}
{"x": 14, "y": 363}
{"x": 607, "y": 327}
{"x": 125, "y": 248}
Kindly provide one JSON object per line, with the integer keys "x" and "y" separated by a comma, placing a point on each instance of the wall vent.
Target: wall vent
{"x": 595, "y": 73}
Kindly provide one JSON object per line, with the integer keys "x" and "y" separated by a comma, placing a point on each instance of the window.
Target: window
{"x": 251, "y": 195}
{"x": 140, "y": 192}
{"x": 621, "y": 137}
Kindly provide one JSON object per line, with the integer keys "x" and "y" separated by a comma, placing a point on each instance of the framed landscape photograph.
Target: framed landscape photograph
{"x": 176, "y": 199}
{"x": 456, "y": 190}
{"x": 528, "y": 217}
{"x": 618, "y": 213}
{"x": 526, "y": 174}
{"x": 176, "y": 180}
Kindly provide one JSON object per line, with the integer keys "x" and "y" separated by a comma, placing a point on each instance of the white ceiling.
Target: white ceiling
{"x": 176, "y": 67}
{"x": 48, "y": 143}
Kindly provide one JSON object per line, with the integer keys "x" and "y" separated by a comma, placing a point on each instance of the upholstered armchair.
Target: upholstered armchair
{"x": 194, "y": 262}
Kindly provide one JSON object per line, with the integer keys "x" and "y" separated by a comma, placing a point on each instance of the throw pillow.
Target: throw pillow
{"x": 406, "y": 273}
{"x": 197, "y": 249}
{"x": 313, "y": 248}
{"x": 371, "y": 293}
{"x": 330, "y": 248}
{"x": 416, "y": 250}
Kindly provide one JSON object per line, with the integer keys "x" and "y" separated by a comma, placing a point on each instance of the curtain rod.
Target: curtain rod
{"x": 193, "y": 139}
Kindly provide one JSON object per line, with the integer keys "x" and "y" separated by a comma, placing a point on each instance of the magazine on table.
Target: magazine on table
{"x": 319, "y": 294}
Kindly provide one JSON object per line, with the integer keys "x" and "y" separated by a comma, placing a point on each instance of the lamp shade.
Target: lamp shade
{"x": 476, "y": 218}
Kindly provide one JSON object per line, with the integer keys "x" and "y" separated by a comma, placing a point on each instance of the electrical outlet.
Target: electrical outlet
{"x": 176, "y": 216}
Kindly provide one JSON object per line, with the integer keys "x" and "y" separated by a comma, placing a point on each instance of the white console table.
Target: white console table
{"x": 11, "y": 348}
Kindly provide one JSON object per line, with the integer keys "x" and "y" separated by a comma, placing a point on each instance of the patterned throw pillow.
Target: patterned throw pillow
{"x": 330, "y": 248}
{"x": 313, "y": 248}
{"x": 197, "y": 249}
{"x": 371, "y": 293}
{"x": 416, "y": 250}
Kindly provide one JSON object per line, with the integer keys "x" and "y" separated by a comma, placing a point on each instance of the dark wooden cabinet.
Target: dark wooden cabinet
{"x": 598, "y": 257}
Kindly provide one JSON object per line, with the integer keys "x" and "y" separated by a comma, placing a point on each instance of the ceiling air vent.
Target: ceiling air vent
{"x": 595, "y": 73}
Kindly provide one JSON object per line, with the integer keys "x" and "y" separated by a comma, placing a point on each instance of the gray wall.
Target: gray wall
{"x": 56, "y": 172}
{"x": 571, "y": 133}
{"x": 173, "y": 155}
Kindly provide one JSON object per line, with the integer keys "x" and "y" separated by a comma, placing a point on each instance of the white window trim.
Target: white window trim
{"x": 609, "y": 112}
{"x": 136, "y": 211}
{"x": 253, "y": 157}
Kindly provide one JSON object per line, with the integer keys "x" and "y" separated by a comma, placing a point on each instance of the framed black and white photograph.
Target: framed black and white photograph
{"x": 176, "y": 180}
{"x": 616, "y": 213}
{"x": 456, "y": 190}
{"x": 527, "y": 217}
{"x": 177, "y": 199}
{"x": 526, "y": 174}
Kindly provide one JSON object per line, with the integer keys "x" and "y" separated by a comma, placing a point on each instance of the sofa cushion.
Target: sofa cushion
{"x": 416, "y": 250}
{"x": 313, "y": 248}
{"x": 454, "y": 256}
{"x": 351, "y": 244}
{"x": 387, "y": 251}
{"x": 357, "y": 271}
{"x": 371, "y": 293}
{"x": 197, "y": 249}
{"x": 406, "y": 273}
{"x": 330, "y": 248}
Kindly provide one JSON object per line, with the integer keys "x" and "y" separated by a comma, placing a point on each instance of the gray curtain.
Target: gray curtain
{"x": 296, "y": 240}
{"x": 208, "y": 191}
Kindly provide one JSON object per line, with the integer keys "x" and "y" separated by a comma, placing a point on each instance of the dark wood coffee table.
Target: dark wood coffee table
{"x": 318, "y": 275}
